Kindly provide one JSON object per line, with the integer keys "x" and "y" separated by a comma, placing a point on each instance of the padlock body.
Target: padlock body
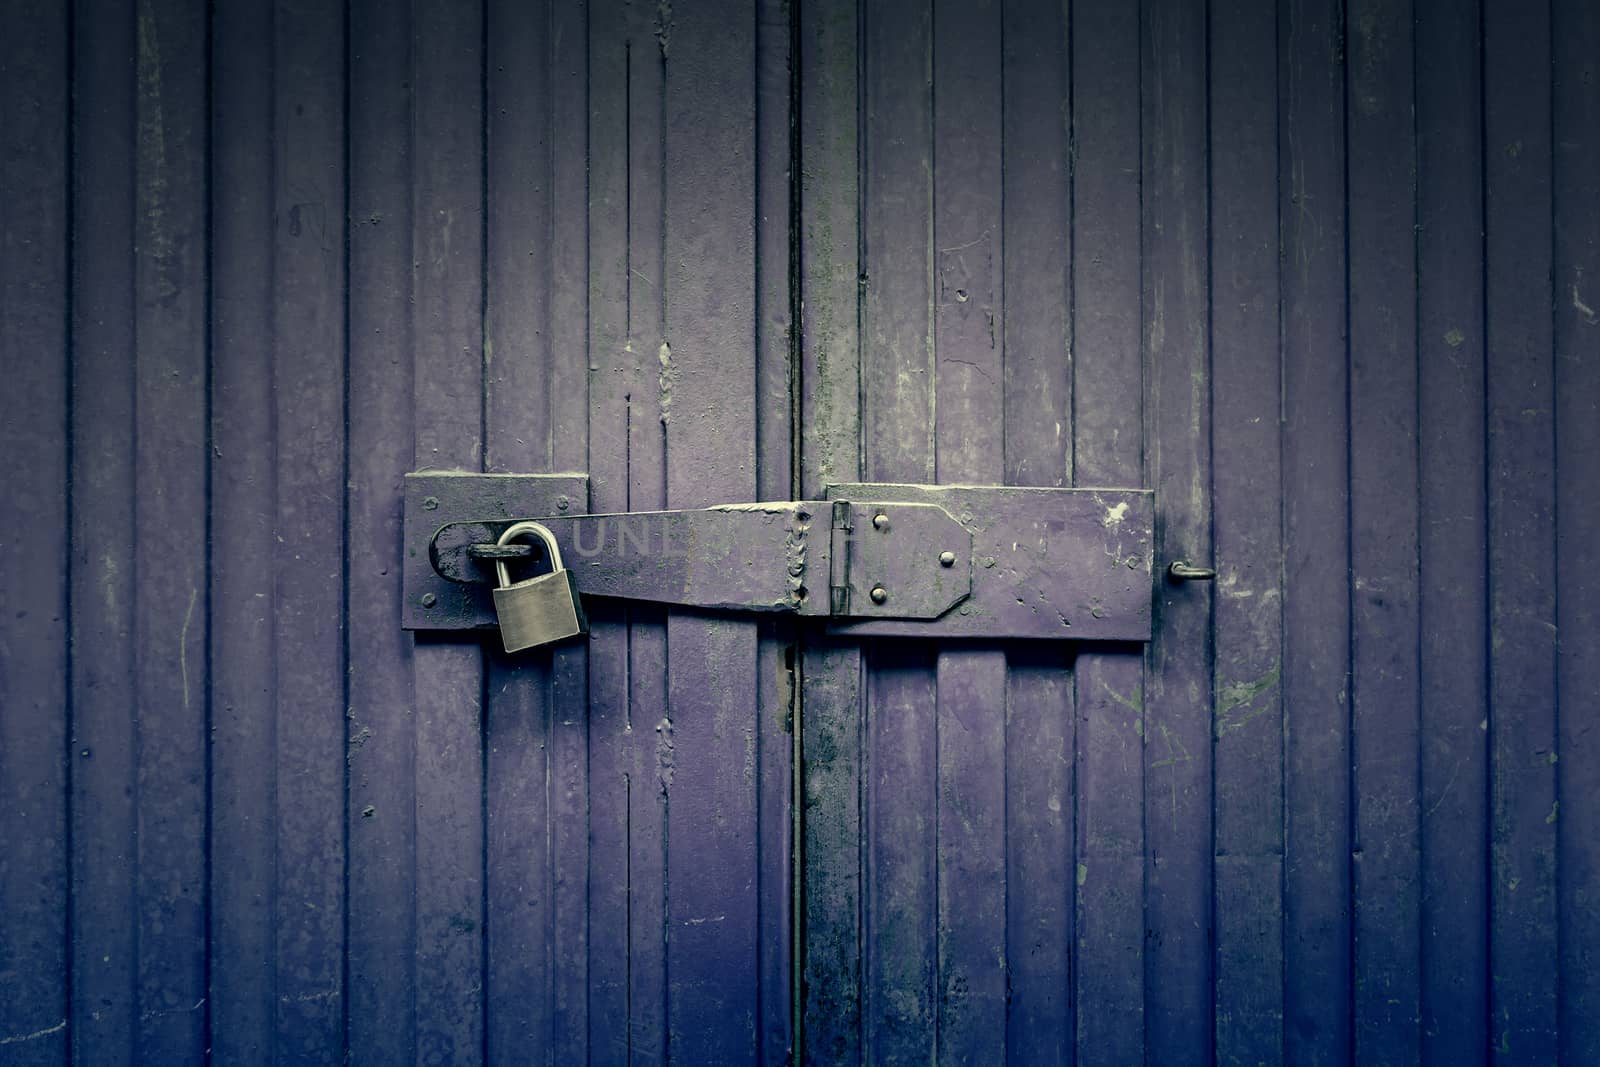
{"x": 539, "y": 611}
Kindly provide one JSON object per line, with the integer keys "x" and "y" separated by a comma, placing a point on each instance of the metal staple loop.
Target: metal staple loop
{"x": 490, "y": 551}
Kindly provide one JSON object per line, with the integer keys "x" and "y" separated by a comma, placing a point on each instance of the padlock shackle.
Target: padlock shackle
{"x": 522, "y": 529}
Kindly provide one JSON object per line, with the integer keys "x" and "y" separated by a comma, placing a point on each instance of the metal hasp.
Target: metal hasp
{"x": 880, "y": 560}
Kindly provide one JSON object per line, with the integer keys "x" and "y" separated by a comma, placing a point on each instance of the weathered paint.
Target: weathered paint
{"x": 1319, "y": 274}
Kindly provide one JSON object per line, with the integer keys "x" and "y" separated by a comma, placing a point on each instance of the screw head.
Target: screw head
{"x": 879, "y": 594}
{"x": 430, "y": 503}
{"x": 879, "y": 521}
{"x": 947, "y": 558}
{"x": 562, "y": 503}
{"x": 429, "y": 600}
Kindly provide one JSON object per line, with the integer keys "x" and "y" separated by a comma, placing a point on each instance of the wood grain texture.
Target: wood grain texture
{"x": 1036, "y": 339}
{"x": 530, "y": 759}
{"x": 102, "y": 606}
{"x": 1318, "y": 273}
{"x": 170, "y": 668}
{"x": 35, "y": 759}
{"x": 1316, "y": 544}
{"x": 381, "y": 738}
{"x": 1454, "y": 645}
{"x": 1247, "y": 502}
{"x": 447, "y": 352}
{"x": 243, "y": 643}
{"x": 1385, "y": 722}
{"x": 1520, "y": 428}
{"x": 707, "y": 379}
{"x": 1178, "y": 730}
{"x": 831, "y": 696}
{"x": 308, "y": 596}
{"x": 1575, "y": 31}
{"x": 1108, "y": 449}
{"x": 969, "y": 446}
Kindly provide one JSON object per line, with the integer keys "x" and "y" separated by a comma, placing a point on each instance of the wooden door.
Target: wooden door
{"x": 1317, "y": 273}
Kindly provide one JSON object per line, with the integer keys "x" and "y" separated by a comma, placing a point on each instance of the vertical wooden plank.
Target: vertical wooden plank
{"x": 969, "y": 446}
{"x": 243, "y": 505}
{"x": 171, "y": 683}
{"x": 1246, "y": 475}
{"x": 309, "y": 595}
{"x": 776, "y": 464}
{"x": 103, "y": 918}
{"x": 1107, "y": 434}
{"x": 521, "y": 773}
{"x": 1037, "y": 270}
{"x": 1521, "y": 510}
{"x": 899, "y": 762}
{"x": 1177, "y": 699}
{"x": 830, "y": 277}
{"x": 447, "y": 308}
{"x": 1576, "y": 34}
{"x": 707, "y": 400}
{"x": 566, "y": 42}
{"x": 1454, "y": 910}
{"x": 630, "y": 761}
{"x": 652, "y": 763}
{"x": 34, "y": 362}
{"x": 381, "y": 753}
{"x": 1316, "y": 609}
{"x": 1386, "y": 872}
{"x": 900, "y": 803}
{"x": 896, "y": 378}
{"x": 612, "y": 778}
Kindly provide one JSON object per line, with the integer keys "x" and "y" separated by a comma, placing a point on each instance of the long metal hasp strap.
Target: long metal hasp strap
{"x": 842, "y": 559}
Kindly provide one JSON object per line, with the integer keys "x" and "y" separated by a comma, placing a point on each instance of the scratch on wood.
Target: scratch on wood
{"x": 17, "y": 1039}
{"x": 183, "y": 646}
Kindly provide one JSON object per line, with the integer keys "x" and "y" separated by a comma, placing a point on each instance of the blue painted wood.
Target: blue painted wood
{"x": 447, "y": 248}
{"x": 831, "y": 696}
{"x": 1454, "y": 645}
{"x": 1037, "y": 269}
{"x": 243, "y": 514}
{"x": 329, "y": 853}
{"x": 969, "y": 317}
{"x": 170, "y": 669}
{"x": 1316, "y": 609}
{"x": 102, "y": 915}
{"x": 1178, "y": 703}
{"x": 707, "y": 378}
{"x": 1384, "y": 518}
{"x": 1520, "y": 429}
{"x": 623, "y": 801}
{"x": 1108, "y": 448}
{"x": 1575, "y": 33}
{"x": 380, "y": 745}
{"x": 308, "y": 331}
{"x": 777, "y": 423}
{"x": 1247, "y": 501}
{"x": 35, "y": 569}
{"x": 899, "y": 760}
{"x": 525, "y": 778}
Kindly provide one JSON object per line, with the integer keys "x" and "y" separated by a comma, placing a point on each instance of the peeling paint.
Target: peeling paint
{"x": 667, "y": 378}
{"x": 1241, "y": 697}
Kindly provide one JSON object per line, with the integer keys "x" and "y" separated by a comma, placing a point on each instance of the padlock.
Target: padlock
{"x": 538, "y": 610}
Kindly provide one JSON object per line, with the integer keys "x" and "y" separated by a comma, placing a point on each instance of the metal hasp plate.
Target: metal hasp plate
{"x": 879, "y": 560}
{"x": 799, "y": 557}
{"x": 1055, "y": 563}
{"x": 433, "y": 498}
